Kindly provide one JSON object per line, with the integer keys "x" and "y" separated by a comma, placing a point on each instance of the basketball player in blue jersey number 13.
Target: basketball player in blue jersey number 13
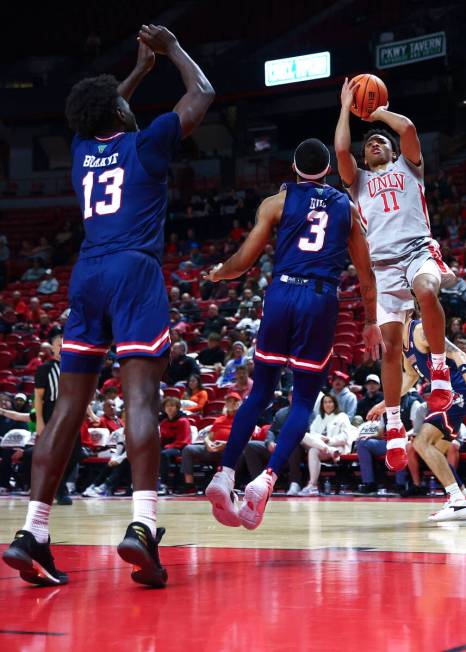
{"x": 316, "y": 226}
{"x": 117, "y": 294}
{"x": 389, "y": 194}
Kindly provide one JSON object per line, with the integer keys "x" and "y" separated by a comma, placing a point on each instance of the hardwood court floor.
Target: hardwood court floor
{"x": 319, "y": 575}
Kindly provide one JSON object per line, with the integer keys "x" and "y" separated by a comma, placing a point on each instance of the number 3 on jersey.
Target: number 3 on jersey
{"x": 113, "y": 189}
{"x": 318, "y": 221}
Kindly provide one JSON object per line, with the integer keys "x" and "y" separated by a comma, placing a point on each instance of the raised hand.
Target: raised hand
{"x": 146, "y": 57}
{"x": 377, "y": 114}
{"x": 158, "y": 38}
{"x": 347, "y": 93}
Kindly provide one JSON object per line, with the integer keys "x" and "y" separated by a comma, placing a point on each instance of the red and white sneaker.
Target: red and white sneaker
{"x": 452, "y": 510}
{"x": 395, "y": 457}
{"x": 221, "y": 495}
{"x": 441, "y": 398}
{"x": 256, "y": 495}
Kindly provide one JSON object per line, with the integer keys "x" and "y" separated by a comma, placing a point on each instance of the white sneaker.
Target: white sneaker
{"x": 294, "y": 489}
{"x": 450, "y": 511}
{"x": 223, "y": 499}
{"x": 310, "y": 490}
{"x": 91, "y": 492}
{"x": 256, "y": 495}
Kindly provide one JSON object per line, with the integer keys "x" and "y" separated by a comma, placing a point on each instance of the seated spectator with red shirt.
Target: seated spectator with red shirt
{"x": 34, "y": 311}
{"x": 19, "y": 304}
{"x": 175, "y": 434}
{"x": 115, "y": 380}
{"x": 243, "y": 384}
{"x": 110, "y": 419}
{"x": 210, "y": 451}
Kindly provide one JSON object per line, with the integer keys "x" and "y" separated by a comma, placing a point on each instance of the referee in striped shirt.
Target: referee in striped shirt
{"x": 45, "y": 396}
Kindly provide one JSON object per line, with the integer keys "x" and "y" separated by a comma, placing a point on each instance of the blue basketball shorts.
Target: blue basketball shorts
{"x": 298, "y": 324}
{"x": 449, "y": 422}
{"x": 118, "y": 298}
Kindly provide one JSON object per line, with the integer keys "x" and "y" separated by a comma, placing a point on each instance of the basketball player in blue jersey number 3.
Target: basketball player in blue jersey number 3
{"x": 316, "y": 225}
{"x": 117, "y": 294}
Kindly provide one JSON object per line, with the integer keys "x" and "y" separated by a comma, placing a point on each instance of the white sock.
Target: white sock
{"x": 393, "y": 417}
{"x": 145, "y": 509}
{"x": 454, "y": 492}
{"x": 230, "y": 473}
{"x": 273, "y": 474}
{"x": 463, "y": 491}
{"x": 439, "y": 360}
{"x": 37, "y": 520}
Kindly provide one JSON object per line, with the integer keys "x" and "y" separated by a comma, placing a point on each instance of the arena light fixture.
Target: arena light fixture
{"x": 297, "y": 69}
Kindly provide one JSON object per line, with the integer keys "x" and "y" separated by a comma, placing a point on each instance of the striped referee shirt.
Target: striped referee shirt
{"x": 47, "y": 377}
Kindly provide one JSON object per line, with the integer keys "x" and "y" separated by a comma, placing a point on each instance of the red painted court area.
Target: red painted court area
{"x": 235, "y": 600}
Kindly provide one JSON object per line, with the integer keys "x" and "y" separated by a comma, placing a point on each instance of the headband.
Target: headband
{"x": 311, "y": 177}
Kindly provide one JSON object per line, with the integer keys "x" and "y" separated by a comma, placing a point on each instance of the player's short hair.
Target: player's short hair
{"x": 312, "y": 159}
{"x": 91, "y": 105}
{"x": 379, "y": 132}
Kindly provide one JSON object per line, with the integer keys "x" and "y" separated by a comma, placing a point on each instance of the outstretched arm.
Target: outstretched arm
{"x": 268, "y": 216}
{"x": 409, "y": 142}
{"x": 359, "y": 252}
{"x": 347, "y": 166}
{"x": 199, "y": 95}
{"x": 144, "y": 64}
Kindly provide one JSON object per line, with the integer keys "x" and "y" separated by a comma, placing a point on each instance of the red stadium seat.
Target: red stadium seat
{"x": 204, "y": 422}
{"x": 214, "y": 407}
{"x": 221, "y": 392}
{"x": 9, "y": 385}
{"x": 6, "y": 358}
{"x": 208, "y": 377}
{"x": 173, "y": 391}
{"x": 27, "y": 387}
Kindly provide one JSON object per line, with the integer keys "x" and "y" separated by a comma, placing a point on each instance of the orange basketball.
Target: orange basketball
{"x": 371, "y": 94}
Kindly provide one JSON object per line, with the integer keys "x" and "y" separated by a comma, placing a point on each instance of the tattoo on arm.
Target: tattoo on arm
{"x": 451, "y": 350}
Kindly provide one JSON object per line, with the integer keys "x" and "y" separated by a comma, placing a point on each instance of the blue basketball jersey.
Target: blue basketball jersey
{"x": 420, "y": 362}
{"x": 313, "y": 232}
{"x": 121, "y": 185}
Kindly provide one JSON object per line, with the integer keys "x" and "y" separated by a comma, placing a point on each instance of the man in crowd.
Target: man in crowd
{"x": 347, "y": 401}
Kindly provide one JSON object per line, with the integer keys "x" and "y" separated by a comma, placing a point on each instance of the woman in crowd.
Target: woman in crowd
{"x": 195, "y": 396}
{"x": 330, "y": 436}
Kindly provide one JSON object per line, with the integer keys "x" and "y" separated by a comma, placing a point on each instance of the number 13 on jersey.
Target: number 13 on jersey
{"x": 318, "y": 220}
{"x": 113, "y": 180}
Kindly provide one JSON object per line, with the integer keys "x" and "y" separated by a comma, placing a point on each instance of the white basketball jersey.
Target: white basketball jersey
{"x": 393, "y": 209}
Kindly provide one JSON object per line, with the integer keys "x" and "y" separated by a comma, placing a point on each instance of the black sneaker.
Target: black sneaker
{"x": 140, "y": 549}
{"x": 33, "y": 560}
{"x": 366, "y": 489}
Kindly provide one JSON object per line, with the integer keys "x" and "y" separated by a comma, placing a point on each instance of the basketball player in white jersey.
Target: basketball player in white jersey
{"x": 389, "y": 194}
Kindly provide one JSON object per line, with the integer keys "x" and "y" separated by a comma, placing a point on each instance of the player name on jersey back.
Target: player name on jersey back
{"x": 91, "y": 161}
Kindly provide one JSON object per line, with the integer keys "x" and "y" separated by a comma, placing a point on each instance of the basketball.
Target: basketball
{"x": 371, "y": 94}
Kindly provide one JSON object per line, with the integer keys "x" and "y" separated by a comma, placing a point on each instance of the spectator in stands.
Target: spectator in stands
{"x": 175, "y": 297}
{"x": 106, "y": 371}
{"x": 7, "y": 320}
{"x": 369, "y": 446}
{"x": 116, "y": 473}
{"x": 210, "y": 451}
{"x": 237, "y": 359}
{"x": 360, "y": 374}
{"x": 214, "y": 322}
{"x": 189, "y": 308}
{"x": 213, "y": 354}
{"x": 230, "y": 307}
{"x": 45, "y": 326}
{"x": 330, "y": 436}
{"x": 349, "y": 279}
{"x": 6, "y": 422}
{"x": 257, "y": 453}
{"x": 25, "y": 251}
{"x": 372, "y": 396}
{"x": 43, "y": 250}
{"x": 347, "y": 401}
{"x": 177, "y": 323}
{"x": 34, "y": 273}
{"x": 184, "y": 278}
{"x": 49, "y": 284}
{"x": 175, "y": 434}
{"x": 237, "y": 230}
{"x": 172, "y": 247}
{"x": 248, "y": 298}
{"x": 213, "y": 256}
{"x": 196, "y": 259}
{"x": 19, "y": 305}
{"x": 110, "y": 419}
{"x": 243, "y": 383}
{"x": 454, "y": 327}
{"x": 250, "y": 323}
{"x": 195, "y": 396}
{"x": 111, "y": 393}
{"x": 35, "y": 311}
{"x": 115, "y": 380}
{"x": 181, "y": 366}
{"x": 266, "y": 260}
{"x": 219, "y": 291}
{"x": 20, "y": 403}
